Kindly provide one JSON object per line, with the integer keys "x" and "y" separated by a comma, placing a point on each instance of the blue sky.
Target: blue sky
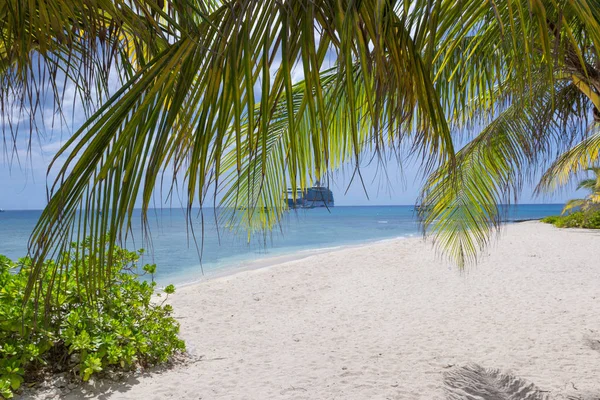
{"x": 24, "y": 186}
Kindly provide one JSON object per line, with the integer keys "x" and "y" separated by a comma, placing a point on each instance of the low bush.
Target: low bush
{"x": 551, "y": 219}
{"x": 579, "y": 219}
{"x": 118, "y": 328}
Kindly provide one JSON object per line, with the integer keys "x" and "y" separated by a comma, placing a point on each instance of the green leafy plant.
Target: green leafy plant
{"x": 121, "y": 329}
{"x": 579, "y": 219}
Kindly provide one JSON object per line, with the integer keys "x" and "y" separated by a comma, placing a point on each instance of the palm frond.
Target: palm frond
{"x": 589, "y": 184}
{"x": 461, "y": 209}
{"x": 47, "y": 47}
{"x": 574, "y": 204}
{"x": 464, "y": 206}
{"x": 187, "y": 110}
{"x": 573, "y": 161}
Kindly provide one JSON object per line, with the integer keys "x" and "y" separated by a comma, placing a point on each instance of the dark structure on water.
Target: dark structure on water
{"x": 316, "y": 196}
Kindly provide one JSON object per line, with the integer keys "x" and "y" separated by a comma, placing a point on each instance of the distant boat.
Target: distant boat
{"x": 1, "y": 210}
{"x": 313, "y": 197}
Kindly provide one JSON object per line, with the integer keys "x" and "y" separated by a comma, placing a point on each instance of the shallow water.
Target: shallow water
{"x": 301, "y": 232}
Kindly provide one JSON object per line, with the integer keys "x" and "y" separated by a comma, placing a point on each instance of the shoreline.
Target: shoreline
{"x": 275, "y": 260}
{"x": 284, "y": 258}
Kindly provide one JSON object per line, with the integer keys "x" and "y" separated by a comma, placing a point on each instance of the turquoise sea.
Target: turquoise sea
{"x": 301, "y": 233}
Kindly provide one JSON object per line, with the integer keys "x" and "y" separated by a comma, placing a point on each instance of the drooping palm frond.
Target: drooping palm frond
{"x": 250, "y": 197}
{"x": 187, "y": 110}
{"x": 502, "y": 48}
{"x": 461, "y": 212}
{"x": 573, "y": 204}
{"x": 51, "y": 48}
{"x": 589, "y": 184}
{"x": 512, "y": 144}
{"x": 592, "y": 201}
{"x": 571, "y": 162}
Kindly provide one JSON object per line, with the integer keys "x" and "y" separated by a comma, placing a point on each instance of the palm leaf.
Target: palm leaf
{"x": 461, "y": 211}
{"x": 574, "y": 204}
{"x": 589, "y": 184}
{"x": 186, "y": 111}
{"x": 573, "y": 161}
{"x": 49, "y": 46}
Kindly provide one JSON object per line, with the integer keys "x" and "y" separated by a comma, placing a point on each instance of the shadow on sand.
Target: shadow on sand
{"x": 473, "y": 382}
{"x": 101, "y": 389}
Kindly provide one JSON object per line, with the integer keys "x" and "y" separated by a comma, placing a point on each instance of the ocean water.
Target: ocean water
{"x": 301, "y": 233}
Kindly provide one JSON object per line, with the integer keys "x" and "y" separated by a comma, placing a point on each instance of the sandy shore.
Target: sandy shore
{"x": 385, "y": 321}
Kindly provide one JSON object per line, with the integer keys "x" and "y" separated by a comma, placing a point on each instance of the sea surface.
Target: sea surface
{"x": 301, "y": 233}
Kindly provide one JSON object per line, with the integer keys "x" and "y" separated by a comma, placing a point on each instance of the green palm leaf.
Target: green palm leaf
{"x": 576, "y": 159}
{"x": 187, "y": 111}
{"x": 461, "y": 209}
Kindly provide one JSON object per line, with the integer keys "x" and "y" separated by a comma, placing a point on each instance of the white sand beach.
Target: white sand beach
{"x": 386, "y": 320}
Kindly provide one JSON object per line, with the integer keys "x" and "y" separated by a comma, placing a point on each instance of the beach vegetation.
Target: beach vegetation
{"x": 121, "y": 329}
{"x": 578, "y": 219}
{"x": 581, "y": 213}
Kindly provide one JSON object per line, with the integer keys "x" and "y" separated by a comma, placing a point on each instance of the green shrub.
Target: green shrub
{"x": 579, "y": 219}
{"x": 119, "y": 329}
{"x": 551, "y": 219}
{"x": 593, "y": 221}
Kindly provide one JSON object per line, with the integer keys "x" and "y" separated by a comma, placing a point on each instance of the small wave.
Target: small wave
{"x": 382, "y": 222}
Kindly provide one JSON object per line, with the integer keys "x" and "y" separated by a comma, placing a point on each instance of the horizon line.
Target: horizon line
{"x": 340, "y": 206}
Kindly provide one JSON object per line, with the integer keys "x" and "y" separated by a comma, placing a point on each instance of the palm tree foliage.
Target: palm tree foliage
{"x": 592, "y": 201}
{"x": 208, "y": 100}
{"x": 43, "y": 41}
{"x": 521, "y": 132}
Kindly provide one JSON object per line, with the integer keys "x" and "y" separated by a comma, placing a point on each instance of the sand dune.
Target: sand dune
{"x": 388, "y": 321}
